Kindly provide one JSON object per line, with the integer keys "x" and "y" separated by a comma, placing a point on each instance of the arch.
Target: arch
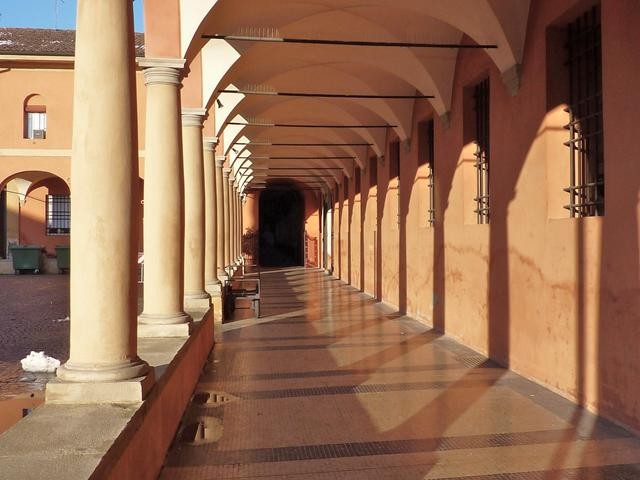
{"x": 38, "y": 209}
{"x": 501, "y": 22}
{"x": 352, "y": 77}
{"x": 33, "y": 176}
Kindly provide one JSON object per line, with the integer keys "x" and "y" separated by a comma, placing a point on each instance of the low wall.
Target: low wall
{"x": 140, "y": 450}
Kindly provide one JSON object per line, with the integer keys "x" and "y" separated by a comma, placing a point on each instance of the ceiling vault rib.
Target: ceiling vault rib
{"x": 349, "y": 43}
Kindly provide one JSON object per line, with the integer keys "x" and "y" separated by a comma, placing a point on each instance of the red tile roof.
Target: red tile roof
{"x": 46, "y": 42}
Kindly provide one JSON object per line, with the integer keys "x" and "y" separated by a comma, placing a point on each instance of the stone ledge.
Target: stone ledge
{"x": 114, "y": 441}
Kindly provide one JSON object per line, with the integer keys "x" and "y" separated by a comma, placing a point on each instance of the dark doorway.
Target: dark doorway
{"x": 281, "y": 228}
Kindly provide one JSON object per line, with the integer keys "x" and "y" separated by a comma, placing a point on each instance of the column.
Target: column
{"x": 227, "y": 218}
{"x": 243, "y": 200}
{"x": 234, "y": 223}
{"x": 234, "y": 210}
{"x": 240, "y": 228}
{"x": 239, "y": 224}
{"x": 103, "y": 366}
{"x": 212, "y": 282}
{"x": 195, "y": 296}
{"x": 163, "y": 314}
{"x": 221, "y": 232}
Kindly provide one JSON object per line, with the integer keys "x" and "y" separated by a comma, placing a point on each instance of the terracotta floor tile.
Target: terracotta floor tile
{"x": 328, "y": 385}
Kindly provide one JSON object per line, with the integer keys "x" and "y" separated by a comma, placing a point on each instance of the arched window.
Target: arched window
{"x": 35, "y": 117}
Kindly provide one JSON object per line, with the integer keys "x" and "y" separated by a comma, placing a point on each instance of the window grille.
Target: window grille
{"x": 58, "y": 214}
{"x": 481, "y": 107}
{"x": 586, "y": 152}
{"x": 427, "y": 154}
{"x": 394, "y": 172}
{"x": 373, "y": 171}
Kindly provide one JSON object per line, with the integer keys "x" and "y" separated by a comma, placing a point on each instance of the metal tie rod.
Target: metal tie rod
{"x": 268, "y": 144}
{"x": 326, "y": 95}
{"x": 348, "y": 43}
{"x": 297, "y": 125}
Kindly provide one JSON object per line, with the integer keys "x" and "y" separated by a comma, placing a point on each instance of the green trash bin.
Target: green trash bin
{"x": 26, "y": 257}
{"x": 63, "y": 257}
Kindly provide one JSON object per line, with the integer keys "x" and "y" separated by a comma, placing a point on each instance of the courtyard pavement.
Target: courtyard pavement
{"x": 33, "y": 313}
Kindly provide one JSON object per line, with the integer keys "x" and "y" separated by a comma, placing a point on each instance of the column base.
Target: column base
{"x": 197, "y": 301}
{"x": 163, "y": 319}
{"x": 128, "y": 391}
{"x": 214, "y": 289}
{"x": 152, "y": 325}
{"x": 177, "y": 330}
{"x": 218, "y": 312}
{"x": 223, "y": 276}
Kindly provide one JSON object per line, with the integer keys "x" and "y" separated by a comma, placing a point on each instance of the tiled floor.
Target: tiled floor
{"x": 328, "y": 385}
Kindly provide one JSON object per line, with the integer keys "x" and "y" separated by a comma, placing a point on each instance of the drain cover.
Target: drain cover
{"x": 212, "y": 398}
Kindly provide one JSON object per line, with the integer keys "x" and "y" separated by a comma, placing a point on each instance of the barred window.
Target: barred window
{"x": 483, "y": 152}
{"x": 426, "y": 154}
{"x": 58, "y": 214}
{"x": 373, "y": 171}
{"x": 394, "y": 173}
{"x": 586, "y": 145}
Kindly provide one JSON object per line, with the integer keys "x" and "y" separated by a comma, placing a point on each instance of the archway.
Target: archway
{"x": 34, "y": 210}
{"x": 281, "y": 227}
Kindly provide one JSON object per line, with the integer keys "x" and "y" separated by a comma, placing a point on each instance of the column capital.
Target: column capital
{"x": 225, "y": 173}
{"x": 210, "y": 143}
{"x": 193, "y": 117}
{"x": 162, "y": 71}
{"x": 220, "y": 161}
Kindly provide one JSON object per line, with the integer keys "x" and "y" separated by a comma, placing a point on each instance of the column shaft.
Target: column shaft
{"x": 195, "y": 296}
{"x": 222, "y": 274}
{"x": 212, "y": 283}
{"x": 163, "y": 313}
{"x": 227, "y": 219}
{"x": 234, "y": 217}
{"x": 104, "y": 177}
{"x": 238, "y": 227}
{"x": 241, "y": 203}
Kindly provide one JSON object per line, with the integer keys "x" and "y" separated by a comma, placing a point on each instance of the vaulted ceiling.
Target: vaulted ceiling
{"x": 264, "y": 133}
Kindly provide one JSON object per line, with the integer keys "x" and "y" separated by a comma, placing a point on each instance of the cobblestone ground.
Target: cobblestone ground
{"x": 33, "y": 312}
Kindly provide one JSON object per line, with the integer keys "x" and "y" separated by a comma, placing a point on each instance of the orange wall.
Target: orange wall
{"x": 557, "y": 299}
{"x": 53, "y": 81}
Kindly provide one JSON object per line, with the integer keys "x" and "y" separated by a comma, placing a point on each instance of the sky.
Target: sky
{"x": 49, "y": 14}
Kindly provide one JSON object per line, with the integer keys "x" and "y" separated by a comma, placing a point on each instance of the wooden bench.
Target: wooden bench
{"x": 248, "y": 288}
{"x": 246, "y": 285}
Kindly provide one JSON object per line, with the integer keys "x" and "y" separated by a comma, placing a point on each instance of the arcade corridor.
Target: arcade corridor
{"x": 330, "y": 385}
